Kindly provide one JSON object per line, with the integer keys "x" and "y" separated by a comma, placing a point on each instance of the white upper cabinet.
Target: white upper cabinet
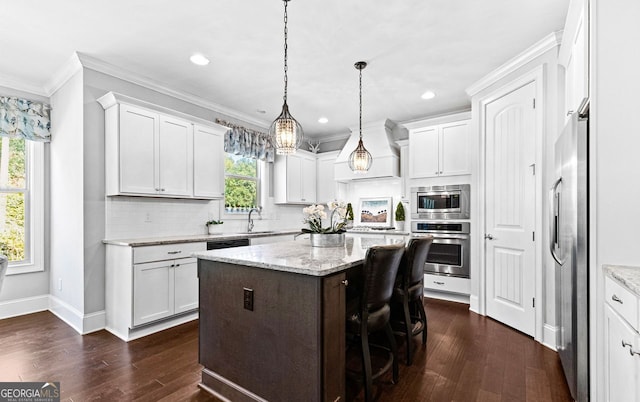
{"x": 574, "y": 57}
{"x": 326, "y": 185}
{"x": 208, "y": 162}
{"x": 295, "y": 178}
{"x": 438, "y": 149}
{"x": 152, "y": 153}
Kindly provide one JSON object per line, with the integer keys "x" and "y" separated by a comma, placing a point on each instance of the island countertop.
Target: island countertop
{"x": 299, "y": 257}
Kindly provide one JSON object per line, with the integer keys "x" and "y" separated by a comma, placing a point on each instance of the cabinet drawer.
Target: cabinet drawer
{"x": 622, "y": 300}
{"x": 443, "y": 283}
{"x": 166, "y": 251}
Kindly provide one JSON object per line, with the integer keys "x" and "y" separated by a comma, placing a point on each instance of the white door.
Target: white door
{"x": 175, "y": 156}
{"x": 137, "y": 147}
{"x": 208, "y": 163}
{"x": 510, "y": 208}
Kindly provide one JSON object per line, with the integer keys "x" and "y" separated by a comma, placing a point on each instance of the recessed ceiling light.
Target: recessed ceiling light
{"x": 261, "y": 111}
{"x": 323, "y": 120}
{"x": 428, "y": 95}
{"x": 199, "y": 59}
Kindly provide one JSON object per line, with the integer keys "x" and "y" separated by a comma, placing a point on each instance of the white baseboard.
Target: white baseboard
{"x": 136, "y": 333}
{"x": 82, "y": 323}
{"x": 474, "y": 304}
{"x": 27, "y": 305}
{"x": 550, "y": 336}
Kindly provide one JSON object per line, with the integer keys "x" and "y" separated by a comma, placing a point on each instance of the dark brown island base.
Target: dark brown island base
{"x": 272, "y": 319}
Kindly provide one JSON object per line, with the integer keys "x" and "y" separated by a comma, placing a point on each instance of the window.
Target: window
{"x": 241, "y": 183}
{"x": 21, "y": 233}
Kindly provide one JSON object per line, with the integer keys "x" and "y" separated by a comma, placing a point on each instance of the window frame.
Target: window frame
{"x": 259, "y": 186}
{"x": 34, "y": 212}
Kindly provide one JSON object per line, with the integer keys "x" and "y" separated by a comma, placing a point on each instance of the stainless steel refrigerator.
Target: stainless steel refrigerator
{"x": 569, "y": 247}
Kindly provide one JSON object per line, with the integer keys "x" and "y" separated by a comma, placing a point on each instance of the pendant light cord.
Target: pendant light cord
{"x": 360, "y": 104}
{"x": 286, "y": 67}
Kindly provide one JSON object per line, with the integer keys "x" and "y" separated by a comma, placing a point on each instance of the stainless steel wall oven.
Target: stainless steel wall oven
{"x": 449, "y": 252}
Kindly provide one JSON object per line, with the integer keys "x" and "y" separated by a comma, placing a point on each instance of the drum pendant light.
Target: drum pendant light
{"x": 360, "y": 159}
{"x": 285, "y": 132}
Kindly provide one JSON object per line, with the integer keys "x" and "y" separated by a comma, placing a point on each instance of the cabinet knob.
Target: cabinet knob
{"x": 441, "y": 172}
{"x": 345, "y": 282}
{"x": 436, "y": 172}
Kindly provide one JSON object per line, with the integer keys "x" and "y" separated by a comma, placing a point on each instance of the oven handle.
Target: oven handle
{"x": 442, "y": 236}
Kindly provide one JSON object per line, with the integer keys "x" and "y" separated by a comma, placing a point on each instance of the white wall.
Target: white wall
{"x": 32, "y": 284}
{"x": 614, "y": 148}
{"x": 67, "y": 198}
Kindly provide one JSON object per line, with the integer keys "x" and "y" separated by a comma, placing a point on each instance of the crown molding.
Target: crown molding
{"x": 106, "y": 68}
{"x": 22, "y": 86}
{"x": 549, "y": 42}
{"x": 436, "y": 119}
{"x": 64, "y": 74}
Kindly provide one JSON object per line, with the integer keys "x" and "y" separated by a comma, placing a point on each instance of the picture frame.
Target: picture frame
{"x": 375, "y": 212}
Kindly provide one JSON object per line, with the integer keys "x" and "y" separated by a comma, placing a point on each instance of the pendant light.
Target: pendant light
{"x": 360, "y": 159}
{"x": 285, "y": 132}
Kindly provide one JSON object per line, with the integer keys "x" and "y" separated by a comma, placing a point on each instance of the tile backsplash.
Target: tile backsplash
{"x": 138, "y": 217}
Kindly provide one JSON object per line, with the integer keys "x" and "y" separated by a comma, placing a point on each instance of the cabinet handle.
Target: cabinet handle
{"x": 625, "y": 344}
{"x": 616, "y": 299}
{"x": 173, "y": 265}
{"x": 177, "y": 265}
{"x": 569, "y": 112}
{"x": 174, "y": 252}
{"x": 162, "y": 189}
{"x": 436, "y": 173}
{"x": 438, "y": 283}
{"x": 441, "y": 172}
{"x": 345, "y": 282}
{"x": 633, "y": 352}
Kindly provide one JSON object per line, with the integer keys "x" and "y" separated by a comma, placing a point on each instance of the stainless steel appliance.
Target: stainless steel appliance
{"x": 440, "y": 202}
{"x": 569, "y": 247}
{"x": 449, "y": 251}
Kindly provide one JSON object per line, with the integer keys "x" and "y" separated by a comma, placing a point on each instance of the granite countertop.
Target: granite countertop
{"x": 627, "y": 276}
{"x": 298, "y": 256}
{"x": 155, "y": 241}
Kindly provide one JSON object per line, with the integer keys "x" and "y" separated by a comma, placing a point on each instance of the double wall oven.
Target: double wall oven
{"x": 443, "y": 212}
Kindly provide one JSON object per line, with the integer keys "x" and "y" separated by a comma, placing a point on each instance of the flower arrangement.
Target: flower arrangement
{"x": 314, "y": 214}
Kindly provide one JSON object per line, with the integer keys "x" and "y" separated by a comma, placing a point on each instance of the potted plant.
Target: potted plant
{"x": 212, "y": 226}
{"x": 400, "y": 216}
{"x": 349, "y": 216}
{"x": 332, "y": 235}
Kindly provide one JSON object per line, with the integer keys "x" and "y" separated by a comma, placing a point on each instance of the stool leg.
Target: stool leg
{"x": 394, "y": 350}
{"x": 424, "y": 320}
{"x": 366, "y": 365}
{"x": 409, "y": 332}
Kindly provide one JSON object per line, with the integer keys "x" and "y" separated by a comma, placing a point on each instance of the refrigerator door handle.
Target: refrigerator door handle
{"x": 553, "y": 221}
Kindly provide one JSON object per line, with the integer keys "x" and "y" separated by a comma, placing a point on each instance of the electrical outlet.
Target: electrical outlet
{"x": 248, "y": 299}
{"x": 60, "y": 284}
{"x": 147, "y": 217}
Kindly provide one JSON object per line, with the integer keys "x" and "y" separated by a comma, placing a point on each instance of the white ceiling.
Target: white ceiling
{"x": 411, "y": 46}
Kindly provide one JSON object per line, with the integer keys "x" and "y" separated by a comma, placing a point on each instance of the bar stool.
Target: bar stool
{"x": 409, "y": 291}
{"x": 369, "y": 310}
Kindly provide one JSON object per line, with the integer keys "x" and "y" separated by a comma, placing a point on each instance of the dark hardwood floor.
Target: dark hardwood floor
{"x": 468, "y": 358}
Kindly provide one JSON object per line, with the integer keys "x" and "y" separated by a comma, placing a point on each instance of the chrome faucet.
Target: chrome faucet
{"x": 250, "y": 222}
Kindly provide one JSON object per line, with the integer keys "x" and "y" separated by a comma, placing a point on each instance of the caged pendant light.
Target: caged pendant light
{"x": 285, "y": 132}
{"x": 360, "y": 159}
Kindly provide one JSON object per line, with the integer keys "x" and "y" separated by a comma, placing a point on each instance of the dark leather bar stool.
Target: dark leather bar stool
{"x": 368, "y": 309}
{"x": 409, "y": 291}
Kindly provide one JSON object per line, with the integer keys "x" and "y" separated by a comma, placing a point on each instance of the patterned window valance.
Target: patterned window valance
{"x": 24, "y": 119}
{"x": 249, "y": 144}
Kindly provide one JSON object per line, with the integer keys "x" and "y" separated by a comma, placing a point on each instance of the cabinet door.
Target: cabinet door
{"x": 186, "y": 285}
{"x": 622, "y": 370}
{"x": 423, "y": 153}
{"x": 175, "y": 161}
{"x": 308, "y": 180}
{"x": 138, "y": 149}
{"x": 208, "y": 163}
{"x": 325, "y": 182}
{"x": 454, "y": 148}
{"x": 294, "y": 178}
{"x": 153, "y": 291}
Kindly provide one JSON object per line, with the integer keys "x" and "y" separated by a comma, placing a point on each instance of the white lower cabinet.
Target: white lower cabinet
{"x": 622, "y": 344}
{"x": 450, "y": 284}
{"x": 150, "y": 288}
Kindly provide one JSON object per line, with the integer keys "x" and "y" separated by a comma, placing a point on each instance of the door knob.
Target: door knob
{"x": 488, "y": 236}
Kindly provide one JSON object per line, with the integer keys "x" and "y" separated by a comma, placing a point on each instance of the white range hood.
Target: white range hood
{"x": 378, "y": 140}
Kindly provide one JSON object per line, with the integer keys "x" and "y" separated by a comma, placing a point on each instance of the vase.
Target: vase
{"x": 400, "y": 226}
{"x": 212, "y": 229}
{"x": 327, "y": 239}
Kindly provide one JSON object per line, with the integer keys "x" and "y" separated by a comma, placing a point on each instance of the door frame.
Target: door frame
{"x": 537, "y": 76}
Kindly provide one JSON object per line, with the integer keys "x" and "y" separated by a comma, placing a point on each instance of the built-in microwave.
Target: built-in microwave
{"x": 440, "y": 202}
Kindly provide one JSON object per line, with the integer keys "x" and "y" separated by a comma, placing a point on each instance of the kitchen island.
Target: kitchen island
{"x": 272, "y": 319}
